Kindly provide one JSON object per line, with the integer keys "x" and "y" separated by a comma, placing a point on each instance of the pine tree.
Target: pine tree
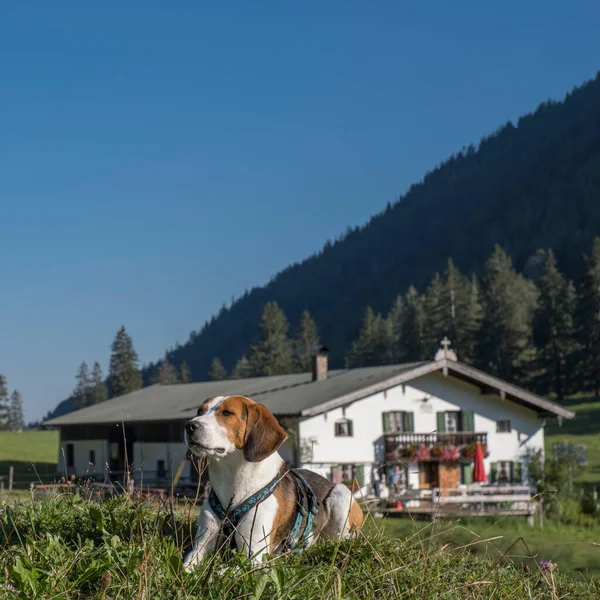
{"x": 272, "y": 353}
{"x": 553, "y": 327}
{"x": 98, "y": 387}
{"x": 462, "y": 312}
{"x": 395, "y": 323}
{"x": 124, "y": 374}
{"x": 165, "y": 374}
{"x": 217, "y": 372}
{"x": 306, "y": 340}
{"x": 588, "y": 323}
{"x": 467, "y": 322}
{"x": 4, "y": 408}
{"x": 83, "y": 387}
{"x": 16, "y": 420}
{"x": 185, "y": 376}
{"x": 242, "y": 368}
{"x": 504, "y": 341}
{"x": 437, "y": 310}
{"x": 413, "y": 327}
{"x": 369, "y": 348}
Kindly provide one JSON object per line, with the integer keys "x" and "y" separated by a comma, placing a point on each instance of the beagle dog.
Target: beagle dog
{"x": 240, "y": 439}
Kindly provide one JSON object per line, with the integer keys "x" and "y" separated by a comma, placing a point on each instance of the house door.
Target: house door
{"x": 428, "y": 475}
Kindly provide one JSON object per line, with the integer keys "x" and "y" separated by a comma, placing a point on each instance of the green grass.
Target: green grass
{"x": 583, "y": 429}
{"x": 570, "y": 547}
{"x": 66, "y": 548}
{"x": 33, "y": 454}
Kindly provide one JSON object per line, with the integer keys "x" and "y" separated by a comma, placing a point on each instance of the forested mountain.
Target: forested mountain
{"x": 528, "y": 186}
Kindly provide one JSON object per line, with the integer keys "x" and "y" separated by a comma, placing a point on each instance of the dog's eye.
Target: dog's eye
{"x": 226, "y": 413}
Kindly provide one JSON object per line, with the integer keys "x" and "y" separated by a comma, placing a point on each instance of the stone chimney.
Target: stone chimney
{"x": 319, "y": 363}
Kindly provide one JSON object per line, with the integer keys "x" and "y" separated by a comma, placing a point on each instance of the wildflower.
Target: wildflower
{"x": 547, "y": 565}
{"x": 11, "y": 588}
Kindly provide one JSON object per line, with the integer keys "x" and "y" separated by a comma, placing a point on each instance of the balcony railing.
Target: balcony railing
{"x": 397, "y": 443}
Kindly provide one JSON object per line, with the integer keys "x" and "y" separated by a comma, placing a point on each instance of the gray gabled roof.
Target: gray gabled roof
{"x": 281, "y": 394}
{"x": 487, "y": 383}
{"x": 293, "y": 394}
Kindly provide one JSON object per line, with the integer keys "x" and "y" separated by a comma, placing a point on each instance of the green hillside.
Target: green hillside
{"x": 535, "y": 184}
{"x": 33, "y": 454}
{"x": 530, "y": 185}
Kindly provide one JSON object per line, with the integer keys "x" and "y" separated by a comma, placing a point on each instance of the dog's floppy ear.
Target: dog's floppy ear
{"x": 263, "y": 433}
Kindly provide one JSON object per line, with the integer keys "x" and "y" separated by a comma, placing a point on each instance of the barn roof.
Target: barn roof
{"x": 297, "y": 394}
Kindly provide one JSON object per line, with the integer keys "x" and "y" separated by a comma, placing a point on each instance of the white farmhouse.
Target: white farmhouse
{"x": 426, "y": 417}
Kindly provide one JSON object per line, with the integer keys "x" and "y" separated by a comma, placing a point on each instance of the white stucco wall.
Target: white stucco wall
{"x": 443, "y": 394}
{"x": 81, "y": 453}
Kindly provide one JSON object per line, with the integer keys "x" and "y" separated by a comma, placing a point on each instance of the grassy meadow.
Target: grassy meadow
{"x": 67, "y": 548}
{"x": 33, "y": 454}
{"x": 583, "y": 429}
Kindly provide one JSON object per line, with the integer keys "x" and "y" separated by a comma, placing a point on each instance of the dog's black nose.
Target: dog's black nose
{"x": 192, "y": 426}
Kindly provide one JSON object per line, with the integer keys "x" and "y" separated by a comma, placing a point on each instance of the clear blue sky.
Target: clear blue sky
{"x": 157, "y": 159}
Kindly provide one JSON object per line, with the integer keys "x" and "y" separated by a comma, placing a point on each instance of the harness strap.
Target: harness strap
{"x": 231, "y": 518}
{"x": 307, "y": 508}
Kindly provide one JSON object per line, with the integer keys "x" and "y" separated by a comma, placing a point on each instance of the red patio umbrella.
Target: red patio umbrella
{"x": 478, "y": 467}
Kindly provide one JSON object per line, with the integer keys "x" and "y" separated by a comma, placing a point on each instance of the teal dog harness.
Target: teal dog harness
{"x": 307, "y": 510}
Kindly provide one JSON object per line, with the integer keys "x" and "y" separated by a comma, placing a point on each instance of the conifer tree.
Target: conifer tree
{"x": 165, "y": 374}
{"x": 98, "y": 391}
{"x": 16, "y": 420}
{"x": 467, "y": 321}
{"x": 553, "y": 328}
{"x": 124, "y": 374}
{"x": 83, "y": 387}
{"x": 504, "y": 341}
{"x": 437, "y": 310}
{"x": 304, "y": 343}
{"x": 413, "y": 327}
{"x": 369, "y": 348}
{"x": 272, "y": 353}
{"x": 185, "y": 375}
{"x": 462, "y": 312}
{"x": 4, "y": 409}
{"x": 217, "y": 372}
{"x": 394, "y": 338}
{"x": 242, "y": 368}
{"x": 588, "y": 323}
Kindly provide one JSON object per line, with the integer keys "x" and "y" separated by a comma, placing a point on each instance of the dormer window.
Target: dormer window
{"x": 343, "y": 428}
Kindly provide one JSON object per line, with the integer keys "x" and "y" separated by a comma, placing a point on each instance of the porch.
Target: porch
{"x": 432, "y": 446}
{"x": 470, "y": 501}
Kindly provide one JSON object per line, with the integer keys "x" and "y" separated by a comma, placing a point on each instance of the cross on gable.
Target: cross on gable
{"x": 444, "y": 352}
{"x": 445, "y": 343}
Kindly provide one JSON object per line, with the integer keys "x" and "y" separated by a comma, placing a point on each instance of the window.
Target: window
{"x": 348, "y": 474}
{"x": 160, "y": 469}
{"x": 505, "y": 471}
{"x": 70, "y": 455}
{"x": 92, "y": 460}
{"x": 344, "y": 428}
{"x": 503, "y": 426}
{"x": 398, "y": 421}
{"x": 452, "y": 421}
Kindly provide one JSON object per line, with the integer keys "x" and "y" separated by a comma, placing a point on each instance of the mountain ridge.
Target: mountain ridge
{"x": 526, "y": 186}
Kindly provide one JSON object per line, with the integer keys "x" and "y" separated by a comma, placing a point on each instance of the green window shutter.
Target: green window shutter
{"x": 441, "y": 422}
{"x": 493, "y": 472}
{"x": 467, "y": 473}
{"x": 410, "y": 422}
{"x": 468, "y": 420}
{"x": 517, "y": 473}
{"x": 387, "y": 422}
{"x": 359, "y": 474}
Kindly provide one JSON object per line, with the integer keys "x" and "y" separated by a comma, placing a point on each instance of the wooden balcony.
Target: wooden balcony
{"x": 397, "y": 443}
